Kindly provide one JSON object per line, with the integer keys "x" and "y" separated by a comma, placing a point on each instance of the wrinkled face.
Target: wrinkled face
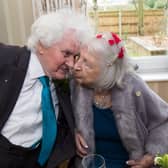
{"x": 87, "y": 68}
{"x": 58, "y": 59}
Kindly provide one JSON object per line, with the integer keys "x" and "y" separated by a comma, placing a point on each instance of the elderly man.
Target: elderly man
{"x": 36, "y": 122}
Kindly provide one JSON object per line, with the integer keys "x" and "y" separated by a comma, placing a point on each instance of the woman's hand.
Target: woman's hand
{"x": 81, "y": 145}
{"x": 146, "y": 162}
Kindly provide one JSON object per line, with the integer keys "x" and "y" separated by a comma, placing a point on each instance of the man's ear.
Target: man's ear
{"x": 40, "y": 48}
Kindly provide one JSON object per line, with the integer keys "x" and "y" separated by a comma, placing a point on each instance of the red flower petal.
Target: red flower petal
{"x": 111, "y": 42}
{"x": 116, "y": 38}
{"x": 121, "y": 53}
{"x": 99, "y": 36}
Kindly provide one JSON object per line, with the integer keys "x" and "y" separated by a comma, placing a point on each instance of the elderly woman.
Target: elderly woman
{"x": 117, "y": 114}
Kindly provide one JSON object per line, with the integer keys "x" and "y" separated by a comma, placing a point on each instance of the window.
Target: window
{"x": 143, "y": 27}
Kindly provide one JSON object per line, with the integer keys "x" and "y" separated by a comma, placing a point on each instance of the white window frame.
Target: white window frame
{"x": 152, "y": 68}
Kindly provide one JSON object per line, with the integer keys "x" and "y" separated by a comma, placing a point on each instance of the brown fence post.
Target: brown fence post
{"x": 140, "y": 17}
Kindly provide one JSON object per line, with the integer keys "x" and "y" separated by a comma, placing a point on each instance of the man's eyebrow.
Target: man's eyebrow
{"x": 78, "y": 54}
{"x": 66, "y": 51}
{"x": 69, "y": 52}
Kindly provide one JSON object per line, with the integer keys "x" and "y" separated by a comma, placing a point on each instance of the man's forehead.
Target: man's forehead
{"x": 70, "y": 34}
{"x": 70, "y": 31}
{"x": 71, "y": 43}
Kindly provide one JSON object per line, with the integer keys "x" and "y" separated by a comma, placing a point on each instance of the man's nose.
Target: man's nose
{"x": 70, "y": 62}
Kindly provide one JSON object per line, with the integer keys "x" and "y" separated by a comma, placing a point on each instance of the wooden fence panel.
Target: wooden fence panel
{"x": 109, "y": 21}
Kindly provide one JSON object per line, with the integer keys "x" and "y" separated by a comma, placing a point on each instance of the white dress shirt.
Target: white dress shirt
{"x": 24, "y": 126}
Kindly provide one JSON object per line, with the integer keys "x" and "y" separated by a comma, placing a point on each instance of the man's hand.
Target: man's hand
{"x": 81, "y": 145}
{"x": 146, "y": 162}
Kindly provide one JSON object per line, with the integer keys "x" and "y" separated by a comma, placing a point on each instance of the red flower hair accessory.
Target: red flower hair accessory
{"x": 116, "y": 38}
{"x": 111, "y": 42}
{"x": 99, "y": 36}
{"x": 121, "y": 53}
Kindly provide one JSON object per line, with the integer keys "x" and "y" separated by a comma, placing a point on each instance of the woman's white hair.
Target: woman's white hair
{"x": 49, "y": 28}
{"x": 114, "y": 63}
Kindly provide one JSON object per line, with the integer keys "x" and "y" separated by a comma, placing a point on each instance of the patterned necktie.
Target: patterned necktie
{"x": 49, "y": 122}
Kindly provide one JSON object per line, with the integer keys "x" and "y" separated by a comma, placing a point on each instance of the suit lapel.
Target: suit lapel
{"x": 65, "y": 103}
{"x": 13, "y": 78}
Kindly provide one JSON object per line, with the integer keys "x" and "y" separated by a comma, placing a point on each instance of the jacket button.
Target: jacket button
{"x": 138, "y": 93}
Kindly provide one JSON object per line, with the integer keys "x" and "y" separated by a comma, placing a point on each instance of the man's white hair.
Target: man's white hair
{"x": 49, "y": 28}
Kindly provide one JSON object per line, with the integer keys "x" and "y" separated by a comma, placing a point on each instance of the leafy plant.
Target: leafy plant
{"x": 159, "y": 4}
{"x": 150, "y": 3}
{"x": 161, "y": 160}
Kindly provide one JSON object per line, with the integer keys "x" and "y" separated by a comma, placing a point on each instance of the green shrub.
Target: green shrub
{"x": 159, "y": 4}
{"x": 150, "y": 3}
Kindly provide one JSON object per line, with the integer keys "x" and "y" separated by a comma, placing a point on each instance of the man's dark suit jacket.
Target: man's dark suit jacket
{"x": 14, "y": 62}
